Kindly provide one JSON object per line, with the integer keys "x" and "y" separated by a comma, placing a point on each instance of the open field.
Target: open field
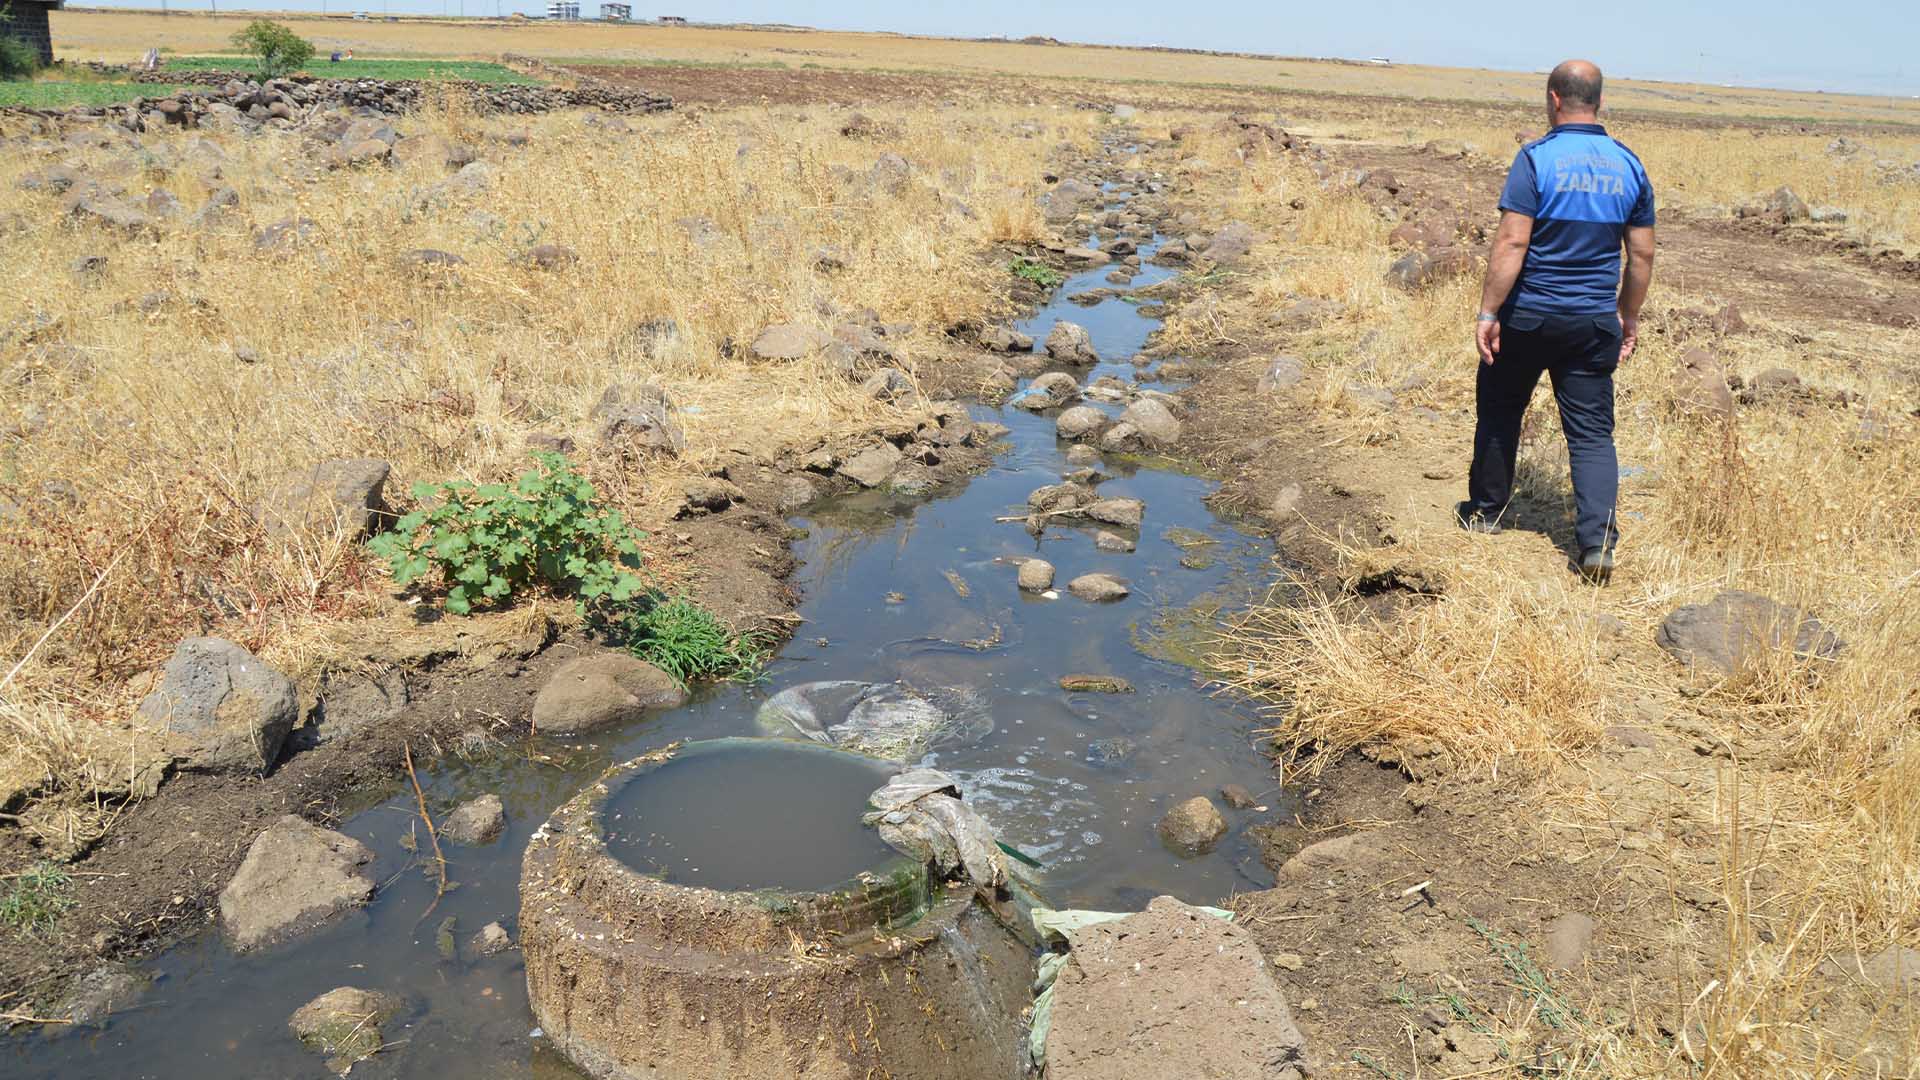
{"x": 123, "y": 36}
{"x": 1747, "y": 847}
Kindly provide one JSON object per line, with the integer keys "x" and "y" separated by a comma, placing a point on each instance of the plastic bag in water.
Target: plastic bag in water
{"x": 920, "y": 813}
{"x": 886, "y": 720}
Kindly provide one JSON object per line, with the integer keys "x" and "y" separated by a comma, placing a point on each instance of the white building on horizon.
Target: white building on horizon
{"x": 564, "y": 10}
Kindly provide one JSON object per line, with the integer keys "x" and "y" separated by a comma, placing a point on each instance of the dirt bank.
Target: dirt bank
{"x": 1435, "y": 917}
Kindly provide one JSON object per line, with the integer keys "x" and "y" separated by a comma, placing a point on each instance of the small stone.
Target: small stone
{"x": 1192, "y": 828}
{"x": 1049, "y": 391}
{"x": 1127, "y": 513}
{"x": 1070, "y": 343}
{"x": 1098, "y": 588}
{"x": 344, "y": 1025}
{"x": 490, "y": 941}
{"x": 1155, "y": 423}
{"x": 1237, "y": 797}
{"x": 1114, "y": 542}
{"x": 1095, "y": 684}
{"x": 1079, "y": 422}
{"x": 1282, "y": 373}
{"x": 295, "y": 877}
{"x": 476, "y": 822}
{"x": 1568, "y": 938}
{"x": 711, "y": 494}
{"x": 601, "y": 690}
{"x": 789, "y": 341}
{"x": 1288, "y": 961}
{"x": 1036, "y": 575}
{"x": 871, "y": 467}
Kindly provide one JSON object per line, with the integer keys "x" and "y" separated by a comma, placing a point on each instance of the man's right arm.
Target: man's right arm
{"x": 1633, "y": 286}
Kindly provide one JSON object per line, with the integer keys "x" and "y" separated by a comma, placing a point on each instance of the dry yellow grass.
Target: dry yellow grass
{"x": 1513, "y": 675}
{"x": 123, "y": 36}
{"x": 153, "y": 400}
{"x": 1712, "y": 170}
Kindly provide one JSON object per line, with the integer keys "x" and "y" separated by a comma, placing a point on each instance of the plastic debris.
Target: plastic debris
{"x": 886, "y": 720}
{"x": 920, "y": 813}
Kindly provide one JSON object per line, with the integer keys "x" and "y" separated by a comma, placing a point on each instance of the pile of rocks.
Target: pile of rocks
{"x": 288, "y": 98}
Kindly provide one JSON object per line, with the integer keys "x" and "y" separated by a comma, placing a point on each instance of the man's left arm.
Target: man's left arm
{"x": 1504, "y": 260}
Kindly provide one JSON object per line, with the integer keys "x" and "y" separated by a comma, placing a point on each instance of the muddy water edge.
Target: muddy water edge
{"x": 897, "y": 588}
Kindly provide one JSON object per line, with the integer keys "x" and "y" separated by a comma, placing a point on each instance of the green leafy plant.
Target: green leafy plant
{"x": 277, "y": 49}
{"x": 491, "y": 542}
{"x": 38, "y": 897}
{"x": 689, "y": 642}
{"x": 1037, "y": 272}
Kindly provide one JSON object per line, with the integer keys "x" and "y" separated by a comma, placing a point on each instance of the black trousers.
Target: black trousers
{"x": 1579, "y": 352}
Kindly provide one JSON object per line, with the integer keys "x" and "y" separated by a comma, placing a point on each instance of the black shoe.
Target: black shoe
{"x": 1476, "y": 521}
{"x": 1596, "y": 565}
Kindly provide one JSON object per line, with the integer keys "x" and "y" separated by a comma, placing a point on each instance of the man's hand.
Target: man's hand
{"x": 1487, "y": 335}
{"x": 1629, "y": 335}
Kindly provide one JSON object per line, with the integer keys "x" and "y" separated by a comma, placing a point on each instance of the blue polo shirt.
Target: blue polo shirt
{"x": 1583, "y": 189}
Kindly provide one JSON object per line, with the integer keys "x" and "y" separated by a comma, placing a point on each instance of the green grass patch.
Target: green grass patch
{"x": 1037, "y": 272}
{"x": 37, "y": 897}
{"x": 690, "y": 643}
{"x": 368, "y": 68}
{"x": 52, "y": 94}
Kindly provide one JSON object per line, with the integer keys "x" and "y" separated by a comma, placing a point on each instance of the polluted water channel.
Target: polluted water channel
{"x": 910, "y": 602}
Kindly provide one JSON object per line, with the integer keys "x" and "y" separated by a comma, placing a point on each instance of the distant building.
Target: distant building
{"x": 564, "y": 10}
{"x": 26, "y": 20}
{"x": 616, "y": 12}
{"x": 673, "y": 20}
{"x": 1380, "y": 60}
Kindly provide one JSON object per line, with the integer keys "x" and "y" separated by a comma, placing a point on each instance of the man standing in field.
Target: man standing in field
{"x": 1555, "y": 300}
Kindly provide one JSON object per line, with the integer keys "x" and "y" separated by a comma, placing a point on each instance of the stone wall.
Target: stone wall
{"x": 27, "y": 20}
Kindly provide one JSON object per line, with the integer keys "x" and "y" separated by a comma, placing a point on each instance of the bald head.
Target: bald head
{"x": 1575, "y": 86}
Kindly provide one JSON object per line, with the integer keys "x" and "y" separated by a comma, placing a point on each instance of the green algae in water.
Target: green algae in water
{"x": 778, "y": 816}
{"x": 1183, "y": 635}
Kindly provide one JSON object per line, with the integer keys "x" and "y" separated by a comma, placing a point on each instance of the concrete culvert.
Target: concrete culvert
{"x": 637, "y": 968}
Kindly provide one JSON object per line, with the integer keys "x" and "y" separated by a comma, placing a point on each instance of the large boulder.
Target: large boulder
{"x": 1738, "y": 628}
{"x": 1192, "y": 828}
{"x": 344, "y": 1025}
{"x": 221, "y": 708}
{"x": 1070, "y": 343}
{"x": 341, "y": 495}
{"x": 1174, "y": 991}
{"x": 295, "y": 877}
{"x": 601, "y": 690}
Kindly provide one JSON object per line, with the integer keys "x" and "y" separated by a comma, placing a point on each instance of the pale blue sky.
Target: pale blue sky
{"x": 1843, "y": 45}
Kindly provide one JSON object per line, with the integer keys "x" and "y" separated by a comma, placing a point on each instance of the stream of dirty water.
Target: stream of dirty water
{"x": 1077, "y": 781}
